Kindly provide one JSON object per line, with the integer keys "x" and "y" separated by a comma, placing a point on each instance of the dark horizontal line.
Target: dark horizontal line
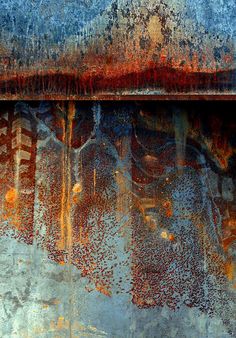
{"x": 129, "y": 97}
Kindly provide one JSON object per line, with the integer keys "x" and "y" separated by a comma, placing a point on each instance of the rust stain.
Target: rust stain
{"x": 11, "y": 196}
{"x": 65, "y": 218}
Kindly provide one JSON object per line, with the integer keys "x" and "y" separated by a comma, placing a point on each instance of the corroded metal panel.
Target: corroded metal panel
{"x": 60, "y": 49}
{"x": 117, "y": 219}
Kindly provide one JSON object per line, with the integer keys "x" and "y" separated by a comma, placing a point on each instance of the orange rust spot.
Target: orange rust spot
{"x": 227, "y": 242}
{"x": 169, "y": 213}
{"x": 231, "y": 223}
{"x": 139, "y": 301}
{"x": 167, "y": 205}
{"x": 60, "y": 323}
{"x": 171, "y": 237}
{"x": 75, "y": 199}
{"x": 147, "y": 218}
{"x": 77, "y": 188}
{"x": 103, "y": 290}
{"x": 11, "y": 196}
{"x": 200, "y": 225}
{"x": 229, "y": 270}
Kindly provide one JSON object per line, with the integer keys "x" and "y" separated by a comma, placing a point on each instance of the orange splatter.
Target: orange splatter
{"x": 77, "y": 188}
{"x": 171, "y": 237}
{"x": 101, "y": 288}
{"x": 168, "y": 208}
{"x": 61, "y": 324}
{"x": 11, "y": 195}
{"x": 229, "y": 270}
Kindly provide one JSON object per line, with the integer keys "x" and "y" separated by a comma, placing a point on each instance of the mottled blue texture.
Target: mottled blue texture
{"x": 58, "y": 18}
{"x": 61, "y": 18}
{"x": 217, "y": 16}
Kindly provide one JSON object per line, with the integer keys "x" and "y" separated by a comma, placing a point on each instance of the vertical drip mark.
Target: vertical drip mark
{"x": 94, "y": 181}
{"x": 97, "y": 134}
{"x": 181, "y": 131}
{"x": 18, "y": 221}
{"x": 97, "y": 119}
{"x": 124, "y": 186}
{"x": 71, "y": 115}
{"x": 65, "y": 219}
{"x": 63, "y": 192}
{"x": 66, "y": 226}
{"x": 17, "y": 162}
{"x": 17, "y": 171}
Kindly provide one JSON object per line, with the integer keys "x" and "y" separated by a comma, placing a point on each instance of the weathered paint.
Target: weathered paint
{"x": 122, "y": 221}
{"x": 71, "y": 49}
